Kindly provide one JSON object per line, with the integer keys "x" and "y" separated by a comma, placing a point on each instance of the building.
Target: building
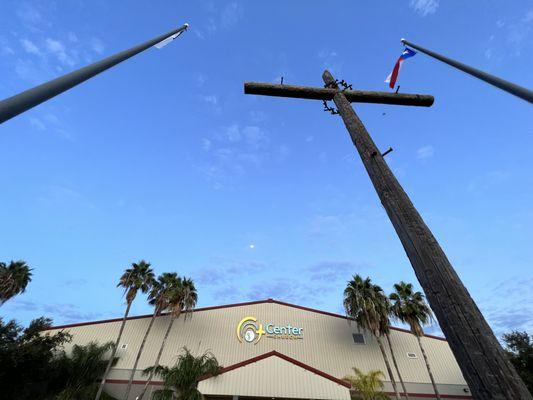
{"x": 271, "y": 349}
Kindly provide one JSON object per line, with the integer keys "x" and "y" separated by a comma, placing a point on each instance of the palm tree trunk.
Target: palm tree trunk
{"x": 387, "y": 364}
{"x": 169, "y": 327}
{"x": 113, "y": 352}
{"x": 128, "y": 388}
{"x": 396, "y": 366}
{"x": 427, "y": 366}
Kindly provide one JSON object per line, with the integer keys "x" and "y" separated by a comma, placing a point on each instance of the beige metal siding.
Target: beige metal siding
{"x": 274, "y": 377}
{"x": 327, "y": 343}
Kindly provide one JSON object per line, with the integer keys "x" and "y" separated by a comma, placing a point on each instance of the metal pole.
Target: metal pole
{"x": 509, "y": 87}
{"x": 30, "y": 98}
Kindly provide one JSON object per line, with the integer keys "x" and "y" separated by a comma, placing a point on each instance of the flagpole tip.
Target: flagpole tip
{"x": 186, "y": 25}
{"x": 402, "y": 40}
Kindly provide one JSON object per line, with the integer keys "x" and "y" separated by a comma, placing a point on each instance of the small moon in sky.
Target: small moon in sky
{"x": 252, "y": 246}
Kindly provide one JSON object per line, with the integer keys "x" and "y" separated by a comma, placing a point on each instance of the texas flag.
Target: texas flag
{"x": 393, "y": 76}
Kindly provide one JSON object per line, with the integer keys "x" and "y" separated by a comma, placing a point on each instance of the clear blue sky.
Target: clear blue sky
{"x": 164, "y": 158}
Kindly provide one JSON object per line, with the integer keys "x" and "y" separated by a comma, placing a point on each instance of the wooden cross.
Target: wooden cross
{"x": 479, "y": 354}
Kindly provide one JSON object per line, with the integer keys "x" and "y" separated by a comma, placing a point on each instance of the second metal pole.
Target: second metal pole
{"x": 509, "y": 87}
{"x": 21, "y": 102}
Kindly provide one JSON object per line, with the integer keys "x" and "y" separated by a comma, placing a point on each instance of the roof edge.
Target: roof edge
{"x": 284, "y": 357}
{"x": 231, "y": 305}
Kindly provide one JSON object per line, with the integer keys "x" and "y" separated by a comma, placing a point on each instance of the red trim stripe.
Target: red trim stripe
{"x": 340, "y": 316}
{"x": 414, "y": 395}
{"x": 248, "y": 303}
{"x": 284, "y": 357}
{"x": 104, "y": 321}
{"x": 432, "y": 395}
{"x": 297, "y": 363}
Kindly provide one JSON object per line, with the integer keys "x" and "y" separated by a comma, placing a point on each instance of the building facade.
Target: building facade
{"x": 271, "y": 349}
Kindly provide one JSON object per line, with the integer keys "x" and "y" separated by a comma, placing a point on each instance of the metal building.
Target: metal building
{"x": 271, "y": 349}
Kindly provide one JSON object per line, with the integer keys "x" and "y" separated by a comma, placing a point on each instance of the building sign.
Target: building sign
{"x": 249, "y": 330}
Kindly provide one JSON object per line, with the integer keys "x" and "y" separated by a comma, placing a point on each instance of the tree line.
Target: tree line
{"x": 36, "y": 366}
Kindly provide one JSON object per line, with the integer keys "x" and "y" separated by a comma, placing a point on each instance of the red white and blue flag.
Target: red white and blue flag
{"x": 393, "y": 76}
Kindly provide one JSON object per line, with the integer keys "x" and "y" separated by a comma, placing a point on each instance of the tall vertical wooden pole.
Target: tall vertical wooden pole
{"x": 481, "y": 358}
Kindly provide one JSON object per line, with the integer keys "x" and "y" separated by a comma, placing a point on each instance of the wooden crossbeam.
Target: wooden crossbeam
{"x": 353, "y": 96}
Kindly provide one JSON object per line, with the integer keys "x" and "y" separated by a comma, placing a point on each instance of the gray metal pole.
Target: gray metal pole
{"x": 509, "y": 87}
{"x": 30, "y": 98}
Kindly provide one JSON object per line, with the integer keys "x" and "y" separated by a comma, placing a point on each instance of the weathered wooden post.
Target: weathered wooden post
{"x": 479, "y": 354}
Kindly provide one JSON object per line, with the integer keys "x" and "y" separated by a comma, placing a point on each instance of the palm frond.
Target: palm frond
{"x": 163, "y": 394}
{"x": 158, "y": 370}
{"x": 182, "y": 378}
{"x": 367, "y": 304}
{"x": 13, "y": 279}
{"x": 410, "y": 307}
{"x": 139, "y": 277}
{"x": 83, "y": 367}
{"x": 367, "y": 386}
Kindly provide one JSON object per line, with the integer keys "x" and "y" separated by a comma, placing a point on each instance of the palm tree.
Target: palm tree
{"x": 158, "y": 298}
{"x": 181, "y": 380}
{"x": 385, "y": 331}
{"x": 139, "y": 277}
{"x": 182, "y": 298}
{"x": 367, "y": 386}
{"x": 363, "y": 302}
{"x": 13, "y": 279}
{"x": 80, "y": 369}
{"x": 410, "y": 307}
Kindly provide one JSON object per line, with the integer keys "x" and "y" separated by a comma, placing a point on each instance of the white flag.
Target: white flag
{"x": 166, "y": 41}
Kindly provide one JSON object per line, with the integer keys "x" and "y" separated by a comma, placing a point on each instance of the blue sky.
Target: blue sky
{"x": 164, "y": 158}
